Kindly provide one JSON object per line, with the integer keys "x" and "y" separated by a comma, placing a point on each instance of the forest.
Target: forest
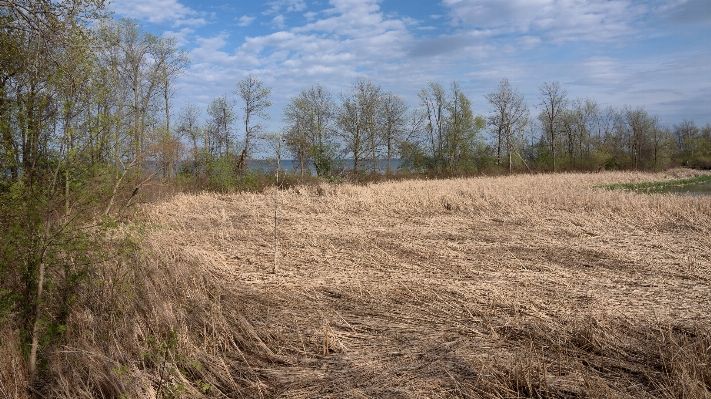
{"x": 87, "y": 124}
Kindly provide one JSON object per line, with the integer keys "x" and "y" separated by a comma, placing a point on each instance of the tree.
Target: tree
{"x": 635, "y": 127}
{"x": 188, "y": 125}
{"x": 394, "y": 124}
{"x": 358, "y": 121}
{"x": 296, "y": 134}
{"x": 53, "y": 118}
{"x": 553, "y": 103}
{"x": 309, "y": 132}
{"x": 461, "y": 131}
{"x": 508, "y": 117}
{"x": 351, "y": 130}
{"x": 686, "y": 134}
{"x": 433, "y": 100}
{"x": 255, "y": 98}
{"x": 219, "y": 125}
{"x": 173, "y": 62}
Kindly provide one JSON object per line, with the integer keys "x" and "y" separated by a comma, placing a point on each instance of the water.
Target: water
{"x": 289, "y": 165}
{"x": 700, "y": 189}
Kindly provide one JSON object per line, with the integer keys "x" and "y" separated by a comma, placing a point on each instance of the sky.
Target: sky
{"x": 650, "y": 54}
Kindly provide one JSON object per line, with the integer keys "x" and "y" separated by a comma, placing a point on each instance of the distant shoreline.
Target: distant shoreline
{"x": 291, "y": 165}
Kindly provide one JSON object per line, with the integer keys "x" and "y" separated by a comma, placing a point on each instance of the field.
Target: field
{"x": 494, "y": 287}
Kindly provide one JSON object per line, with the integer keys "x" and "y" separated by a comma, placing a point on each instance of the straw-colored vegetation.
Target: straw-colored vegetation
{"x": 505, "y": 287}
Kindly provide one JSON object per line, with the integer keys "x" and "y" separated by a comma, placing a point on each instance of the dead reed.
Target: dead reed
{"x": 506, "y": 287}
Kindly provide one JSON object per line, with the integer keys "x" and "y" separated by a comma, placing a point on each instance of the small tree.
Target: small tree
{"x": 553, "y": 103}
{"x": 310, "y": 117}
{"x": 359, "y": 121}
{"x": 394, "y": 124}
{"x": 508, "y": 118}
{"x": 433, "y": 100}
{"x": 255, "y": 98}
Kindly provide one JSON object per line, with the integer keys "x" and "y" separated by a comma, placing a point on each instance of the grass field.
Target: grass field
{"x": 493, "y": 287}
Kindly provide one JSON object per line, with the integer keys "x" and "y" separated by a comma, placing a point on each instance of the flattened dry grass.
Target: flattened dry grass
{"x": 539, "y": 286}
{"x": 506, "y": 287}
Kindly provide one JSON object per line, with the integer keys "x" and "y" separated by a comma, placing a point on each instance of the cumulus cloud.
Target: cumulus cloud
{"x": 287, "y": 6}
{"x": 158, "y": 11}
{"x": 687, "y": 11}
{"x": 557, "y": 20}
{"x": 245, "y": 20}
{"x": 181, "y": 36}
{"x": 278, "y": 21}
{"x": 350, "y": 27}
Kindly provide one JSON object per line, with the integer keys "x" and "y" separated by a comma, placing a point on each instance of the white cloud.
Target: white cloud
{"x": 529, "y": 42}
{"x": 557, "y": 20}
{"x": 210, "y": 51}
{"x": 352, "y": 27}
{"x": 687, "y": 11}
{"x": 181, "y": 36}
{"x": 351, "y": 38}
{"x": 245, "y": 20}
{"x": 603, "y": 71}
{"x": 279, "y": 6}
{"x": 158, "y": 11}
{"x": 278, "y": 21}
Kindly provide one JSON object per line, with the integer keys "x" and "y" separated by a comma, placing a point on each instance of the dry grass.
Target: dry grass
{"x": 507, "y": 287}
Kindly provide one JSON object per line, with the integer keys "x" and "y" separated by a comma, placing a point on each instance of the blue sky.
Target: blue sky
{"x": 651, "y": 54}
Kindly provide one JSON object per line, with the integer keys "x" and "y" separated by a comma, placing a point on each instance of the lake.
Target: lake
{"x": 690, "y": 189}
{"x": 290, "y": 165}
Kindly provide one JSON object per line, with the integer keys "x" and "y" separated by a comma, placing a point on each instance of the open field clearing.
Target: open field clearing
{"x": 492, "y": 287}
{"x": 505, "y": 287}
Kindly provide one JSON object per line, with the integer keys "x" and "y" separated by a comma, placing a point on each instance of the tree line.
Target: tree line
{"x": 443, "y": 135}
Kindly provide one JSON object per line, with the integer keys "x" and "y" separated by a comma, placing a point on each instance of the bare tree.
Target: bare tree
{"x": 188, "y": 125}
{"x": 358, "y": 121}
{"x": 394, "y": 124}
{"x": 636, "y": 127}
{"x": 553, "y": 103}
{"x": 508, "y": 117}
{"x": 255, "y": 98}
{"x": 461, "y": 129}
{"x": 686, "y": 135}
{"x": 310, "y": 117}
{"x": 433, "y": 100}
{"x": 351, "y": 130}
{"x": 220, "y": 126}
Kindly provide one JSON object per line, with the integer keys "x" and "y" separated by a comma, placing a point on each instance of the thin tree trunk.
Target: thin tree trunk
{"x": 36, "y": 326}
